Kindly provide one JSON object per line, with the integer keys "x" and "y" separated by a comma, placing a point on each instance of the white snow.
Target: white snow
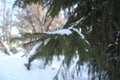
{"x": 61, "y": 32}
{"x": 34, "y": 49}
{"x": 66, "y": 31}
{"x": 79, "y": 33}
{"x": 12, "y": 68}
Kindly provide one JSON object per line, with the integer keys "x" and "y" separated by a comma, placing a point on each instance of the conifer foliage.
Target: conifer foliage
{"x": 98, "y": 20}
{"x": 113, "y": 59}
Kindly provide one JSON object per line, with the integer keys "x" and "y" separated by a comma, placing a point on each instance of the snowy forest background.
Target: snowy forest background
{"x": 59, "y": 40}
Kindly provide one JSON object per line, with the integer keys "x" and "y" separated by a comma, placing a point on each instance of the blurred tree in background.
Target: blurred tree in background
{"x": 14, "y": 22}
{"x": 6, "y": 27}
{"x": 97, "y": 20}
{"x": 32, "y": 20}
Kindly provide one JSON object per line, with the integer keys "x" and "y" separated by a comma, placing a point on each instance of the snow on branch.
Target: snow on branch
{"x": 35, "y": 49}
{"x": 76, "y": 30}
{"x": 61, "y": 32}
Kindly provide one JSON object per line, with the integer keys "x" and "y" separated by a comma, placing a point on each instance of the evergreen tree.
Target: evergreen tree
{"x": 98, "y": 20}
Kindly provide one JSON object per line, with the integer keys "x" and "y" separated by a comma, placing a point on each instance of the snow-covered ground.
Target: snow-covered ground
{"x": 12, "y": 68}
